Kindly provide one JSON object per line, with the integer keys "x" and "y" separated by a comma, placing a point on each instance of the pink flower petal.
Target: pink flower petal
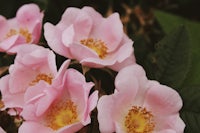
{"x": 173, "y": 122}
{"x": 78, "y": 89}
{"x": 81, "y": 52}
{"x": 92, "y": 102}
{"x": 162, "y": 99}
{"x": 115, "y": 34}
{"x": 3, "y": 27}
{"x": 68, "y": 36}
{"x": 8, "y": 98}
{"x": 2, "y": 131}
{"x": 119, "y": 65}
{"x": 93, "y": 14}
{"x": 71, "y": 128}
{"x": 33, "y": 127}
{"x": 54, "y": 40}
{"x": 82, "y": 25}
{"x": 131, "y": 73}
{"x": 10, "y": 42}
{"x": 68, "y": 17}
{"x": 105, "y": 117}
{"x": 28, "y": 14}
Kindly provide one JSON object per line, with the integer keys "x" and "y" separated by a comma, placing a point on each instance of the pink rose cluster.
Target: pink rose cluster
{"x": 60, "y": 100}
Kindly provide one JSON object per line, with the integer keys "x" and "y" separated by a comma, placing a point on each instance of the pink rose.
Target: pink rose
{"x": 59, "y": 109}
{"x": 84, "y": 35}
{"x": 139, "y": 105}
{"x": 24, "y": 28}
{"x": 32, "y": 64}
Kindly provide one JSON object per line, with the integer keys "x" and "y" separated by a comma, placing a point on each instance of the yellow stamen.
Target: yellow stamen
{"x": 1, "y": 104}
{"x": 97, "y": 45}
{"x": 61, "y": 114}
{"x": 24, "y": 32}
{"x": 45, "y": 77}
{"x": 139, "y": 120}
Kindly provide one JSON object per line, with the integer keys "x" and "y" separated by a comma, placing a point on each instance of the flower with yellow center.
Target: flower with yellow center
{"x": 23, "y": 32}
{"x": 61, "y": 114}
{"x": 139, "y": 105}
{"x": 63, "y": 107}
{"x": 139, "y": 120}
{"x": 97, "y": 45}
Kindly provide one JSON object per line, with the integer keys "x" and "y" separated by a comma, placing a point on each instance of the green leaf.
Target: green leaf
{"x": 168, "y": 23}
{"x": 192, "y": 121}
{"x": 171, "y": 59}
{"x": 190, "y": 112}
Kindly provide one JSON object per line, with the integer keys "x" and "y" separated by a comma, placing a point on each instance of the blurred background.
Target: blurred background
{"x": 146, "y": 22}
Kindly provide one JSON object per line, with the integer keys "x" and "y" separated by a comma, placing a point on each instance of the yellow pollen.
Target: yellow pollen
{"x": 1, "y": 104}
{"x": 139, "y": 120}
{"x": 61, "y": 114}
{"x": 45, "y": 77}
{"x": 24, "y": 32}
{"x": 97, "y": 45}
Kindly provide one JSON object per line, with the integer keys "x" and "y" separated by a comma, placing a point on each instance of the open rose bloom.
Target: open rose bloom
{"x": 32, "y": 64}
{"x": 24, "y": 28}
{"x": 84, "y": 35}
{"x": 139, "y": 105}
{"x": 61, "y": 109}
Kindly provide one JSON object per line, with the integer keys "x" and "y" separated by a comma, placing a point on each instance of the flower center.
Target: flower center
{"x": 61, "y": 114}
{"x": 139, "y": 120}
{"x": 44, "y": 77}
{"x": 97, "y": 45}
{"x": 1, "y": 104}
{"x": 24, "y": 32}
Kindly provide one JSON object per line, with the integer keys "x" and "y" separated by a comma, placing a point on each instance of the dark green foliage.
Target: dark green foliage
{"x": 170, "y": 62}
{"x": 190, "y": 112}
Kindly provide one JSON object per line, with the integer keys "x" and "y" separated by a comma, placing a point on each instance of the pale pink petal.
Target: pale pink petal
{"x": 28, "y": 112}
{"x": 33, "y": 92}
{"x": 105, "y": 117}
{"x": 28, "y": 14}
{"x": 97, "y": 17}
{"x": 97, "y": 62}
{"x": 71, "y": 128}
{"x": 46, "y": 100}
{"x": 53, "y": 36}
{"x": 59, "y": 78}
{"x": 68, "y": 36}
{"x": 115, "y": 34}
{"x": 10, "y": 100}
{"x": 44, "y": 96}
{"x": 92, "y": 102}
{"x": 11, "y": 42}
{"x": 3, "y": 27}
{"x": 68, "y": 17}
{"x": 81, "y": 52}
{"x": 16, "y": 85}
{"x": 131, "y": 73}
{"x": 78, "y": 89}
{"x": 37, "y": 57}
{"x": 82, "y": 25}
{"x": 119, "y": 128}
{"x": 166, "y": 131}
{"x": 119, "y": 65}
{"x": 1, "y": 130}
{"x": 173, "y": 122}
{"x": 162, "y": 99}
{"x": 33, "y": 127}
{"x": 36, "y": 32}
